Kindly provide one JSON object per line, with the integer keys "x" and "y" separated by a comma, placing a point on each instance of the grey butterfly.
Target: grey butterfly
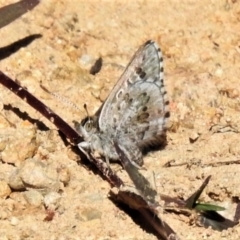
{"x": 135, "y": 113}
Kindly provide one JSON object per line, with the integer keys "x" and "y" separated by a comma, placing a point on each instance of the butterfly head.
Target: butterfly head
{"x": 88, "y": 125}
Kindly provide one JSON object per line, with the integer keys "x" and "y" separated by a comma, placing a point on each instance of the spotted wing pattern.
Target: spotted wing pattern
{"x": 137, "y": 107}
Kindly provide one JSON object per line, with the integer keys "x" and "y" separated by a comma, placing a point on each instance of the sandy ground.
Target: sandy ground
{"x": 200, "y": 41}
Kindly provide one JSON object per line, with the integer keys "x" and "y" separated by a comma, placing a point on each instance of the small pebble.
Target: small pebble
{"x": 51, "y": 200}
{"x": 4, "y": 189}
{"x": 14, "y": 221}
{"x": 33, "y": 197}
{"x": 89, "y": 214}
{"x": 64, "y": 175}
{"x": 36, "y": 174}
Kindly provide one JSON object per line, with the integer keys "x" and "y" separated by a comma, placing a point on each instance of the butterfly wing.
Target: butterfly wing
{"x": 137, "y": 107}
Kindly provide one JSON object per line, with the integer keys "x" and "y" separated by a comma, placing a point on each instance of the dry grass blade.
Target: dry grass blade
{"x": 140, "y": 182}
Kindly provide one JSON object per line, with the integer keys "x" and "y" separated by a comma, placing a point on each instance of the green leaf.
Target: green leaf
{"x": 208, "y": 207}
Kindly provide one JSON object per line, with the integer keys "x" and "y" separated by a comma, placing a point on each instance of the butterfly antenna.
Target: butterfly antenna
{"x": 61, "y": 99}
{"x": 85, "y": 107}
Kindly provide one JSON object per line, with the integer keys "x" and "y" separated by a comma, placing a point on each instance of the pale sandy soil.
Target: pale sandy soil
{"x": 200, "y": 41}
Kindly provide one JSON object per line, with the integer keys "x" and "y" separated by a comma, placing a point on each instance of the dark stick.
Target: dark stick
{"x": 147, "y": 197}
{"x": 21, "y": 92}
{"x": 75, "y": 138}
{"x": 163, "y": 229}
{"x": 64, "y": 127}
{"x": 106, "y": 171}
{"x": 138, "y": 202}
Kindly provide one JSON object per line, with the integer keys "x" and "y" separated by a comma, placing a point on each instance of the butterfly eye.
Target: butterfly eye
{"x": 88, "y": 125}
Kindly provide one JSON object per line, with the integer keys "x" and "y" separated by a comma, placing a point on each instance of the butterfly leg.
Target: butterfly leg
{"x": 100, "y": 164}
{"x": 107, "y": 161}
{"x": 85, "y": 147}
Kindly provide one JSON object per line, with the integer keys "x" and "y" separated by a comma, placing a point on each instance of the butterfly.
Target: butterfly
{"x": 135, "y": 114}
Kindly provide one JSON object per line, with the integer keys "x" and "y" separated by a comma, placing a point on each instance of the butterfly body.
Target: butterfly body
{"x": 135, "y": 113}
